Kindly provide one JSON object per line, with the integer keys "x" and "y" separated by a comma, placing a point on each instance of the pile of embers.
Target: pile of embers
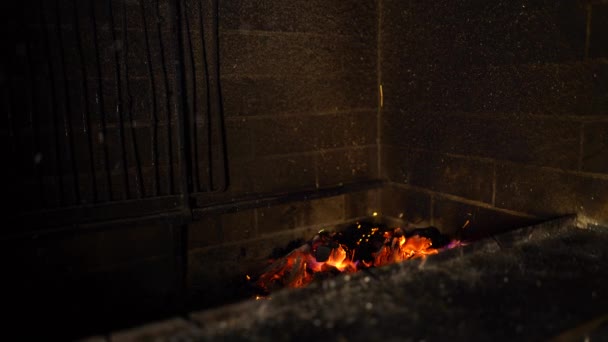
{"x": 358, "y": 247}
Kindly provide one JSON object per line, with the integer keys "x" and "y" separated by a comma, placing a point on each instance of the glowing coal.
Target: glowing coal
{"x": 358, "y": 247}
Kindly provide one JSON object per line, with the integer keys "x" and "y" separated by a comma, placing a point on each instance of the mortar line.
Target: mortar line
{"x": 461, "y": 200}
{"x": 276, "y": 234}
{"x": 311, "y": 152}
{"x": 268, "y": 33}
{"x": 300, "y": 115}
{"x": 508, "y": 162}
{"x": 496, "y": 116}
{"x": 329, "y": 75}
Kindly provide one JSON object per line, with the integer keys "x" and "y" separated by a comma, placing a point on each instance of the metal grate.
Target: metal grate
{"x": 97, "y": 94}
{"x": 199, "y": 29}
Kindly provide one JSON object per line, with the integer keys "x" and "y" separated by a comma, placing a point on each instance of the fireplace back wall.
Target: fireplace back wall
{"x": 495, "y": 113}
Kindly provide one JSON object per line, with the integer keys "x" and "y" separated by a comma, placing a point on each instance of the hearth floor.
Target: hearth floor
{"x": 537, "y": 283}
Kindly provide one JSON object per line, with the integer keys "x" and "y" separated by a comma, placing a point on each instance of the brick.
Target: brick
{"x": 556, "y": 89}
{"x": 244, "y": 96}
{"x": 347, "y": 166}
{"x": 565, "y": 89}
{"x": 598, "y": 42}
{"x": 551, "y": 193}
{"x": 451, "y": 216}
{"x": 283, "y": 135}
{"x": 239, "y": 141}
{"x": 242, "y": 176}
{"x": 281, "y": 217}
{"x": 512, "y": 137}
{"x": 496, "y": 61}
{"x": 484, "y": 33}
{"x": 363, "y": 203}
{"x": 282, "y": 174}
{"x": 595, "y": 147}
{"x": 300, "y": 214}
{"x": 314, "y": 56}
{"x": 424, "y": 88}
{"x": 345, "y": 17}
{"x": 408, "y": 205}
{"x": 204, "y": 232}
{"x": 348, "y": 129}
{"x": 238, "y": 225}
{"x": 457, "y": 176}
{"x": 215, "y": 229}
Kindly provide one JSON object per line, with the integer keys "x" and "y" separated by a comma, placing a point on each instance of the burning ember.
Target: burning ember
{"x": 358, "y": 247}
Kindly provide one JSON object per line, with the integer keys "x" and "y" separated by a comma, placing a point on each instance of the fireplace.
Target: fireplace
{"x": 503, "y": 288}
{"x": 162, "y": 150}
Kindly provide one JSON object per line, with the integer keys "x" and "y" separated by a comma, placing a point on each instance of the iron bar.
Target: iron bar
{"x": 53, "y": 100}
{"x": 154, "y": 114}
{"x": 218, "y": 97}
{"x": 119, "y": 104}
{"x": 100, "y": 99}
{"x": 209, "y": 168}
{"x": 192, "y": 112}
{"x": 86, "y": 119}
{"x": 67, "y": 115}
{"x": 180, "y": 104}
{"x": 34, "y": 124}
{"x": 139, "y": 190}
{"x": 167, "y": 102}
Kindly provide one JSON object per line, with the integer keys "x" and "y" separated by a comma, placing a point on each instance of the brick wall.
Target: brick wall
{"x": 494, "y": 112}
{"x": 299, "y": 93}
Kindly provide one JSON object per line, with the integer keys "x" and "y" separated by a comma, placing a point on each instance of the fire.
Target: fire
{"x": 360, "y": 247}
{"x": 398, "y": 249}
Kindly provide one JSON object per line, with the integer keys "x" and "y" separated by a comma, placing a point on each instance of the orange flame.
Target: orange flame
{"x": 300, "y": 267}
